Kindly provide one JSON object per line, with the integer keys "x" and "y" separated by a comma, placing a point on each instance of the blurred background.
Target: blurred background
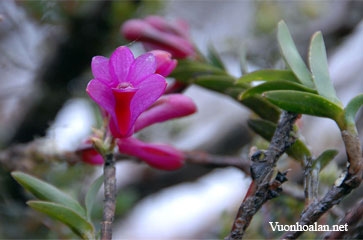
{"x": 45, "y": 53}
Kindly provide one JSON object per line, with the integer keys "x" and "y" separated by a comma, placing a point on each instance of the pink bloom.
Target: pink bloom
{"x": 125, "y": 87}
{"x": 164, "y": 64}
{"x": 157, "y": 33}
{"x": 160, "y": 156}
{"x": 156, "y": 155}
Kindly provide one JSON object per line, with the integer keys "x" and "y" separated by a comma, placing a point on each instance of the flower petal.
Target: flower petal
{"x": 142, "y": 67}
{"x": 166, "y": 108}
{"x": 157, "y": 155}
{"x": 148, "y": 92}
{"x": 102, "y": 95}
{"x": 101, "y": 70}
{"x": 164, "y": 63}
{"x": 91, "y": 156}
{"x": 120, "y": 62}
{"x": 123, "y": 98}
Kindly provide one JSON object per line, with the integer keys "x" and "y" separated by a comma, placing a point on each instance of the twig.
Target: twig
{"x": 311, "y": 182}
{"x": 110, "y": 197}
{"x": 353, "y": 216}
{"x": 335, "y": 195}
{"x": 261, "y": 189}
{"x": 199, "y": 157}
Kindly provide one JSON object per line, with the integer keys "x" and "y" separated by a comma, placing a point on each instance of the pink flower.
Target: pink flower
{"x": 157, "y": 33}
{"x": 125, "y": 87}
{"x": 164, "y": 64}
{"x": 157, "y": 155}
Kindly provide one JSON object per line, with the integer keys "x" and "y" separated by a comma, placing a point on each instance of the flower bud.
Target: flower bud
{"x": 164, "y": 63}
{"x": 157, "y": 33}
{"x": 156, "y": 155}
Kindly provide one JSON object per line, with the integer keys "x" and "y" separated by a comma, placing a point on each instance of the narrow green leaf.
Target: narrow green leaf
{"x": 324, "y": 159}
{"x": 266, "y": 130}
{"x": 304, "y": 103}
{"x": 78, "y": 224}
{"x": 214, "y": 58}
{"x": 299, "y": 151}
{"x": 319, "y": 67}
{"x": 268, "y": 75}
{"x": 91, "y": 195}
{"x": 187, "y": 70}
{"x": 223, "y": 84}
{"x": 262, "y": 108}
{"x": 351, "y": 110}
{"x": 262, "y": 127}
{"x": 292, "y": 56}
{"x": 275, "y": 85}
{"x": 45, "y": 191}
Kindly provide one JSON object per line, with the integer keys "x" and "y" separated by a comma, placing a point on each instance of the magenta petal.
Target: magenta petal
{"x": 148, "y": 92}
{"x": 120, "y": 62}
{"x": 164, "y": 63}
{"x": 102, "y": 95}
{"x": 156, "y": 155}
{"x": 166, "y": 68}
{"x": 166, "y": 108}
{"x": 101, "y": 70}
{"x": 142, "y": 67}
{"x": 91, "y": 156}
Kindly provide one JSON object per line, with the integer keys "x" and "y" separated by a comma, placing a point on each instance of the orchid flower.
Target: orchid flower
{"x": 157, "y": 33}
{"x": 157, "y": 155}
{"x": 125, "y": 87}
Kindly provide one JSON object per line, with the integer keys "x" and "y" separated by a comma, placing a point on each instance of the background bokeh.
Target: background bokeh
{"x": 45, "y": 53}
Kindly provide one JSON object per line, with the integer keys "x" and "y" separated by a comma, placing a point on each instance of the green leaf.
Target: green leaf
{"x": 292, "y": 56}
{"x": 262, "y": 108}
{"x": 187, "y": 70}
{"x": 299, "y": 151}
{"x": 351, "y": 110}
{"x": 324, "y": 159}
{"x": 214, "y": 58}
{"x": 45, "y": 191}
{"x": 266, "y": 129}
{"x": 275, "y": 85}
{"x": 319, "y": 67}
{"x": 304, "y": 103}
{"x": 262, "y": 127}
{"x": 268, "y": 75}
{"x": 91, "y": 195}
{"x": 78, "y": 224}
{"x": 223, "y": 84}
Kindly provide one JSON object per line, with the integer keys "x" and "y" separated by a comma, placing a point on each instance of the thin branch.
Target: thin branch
{"x": 261, "y": 188}
{"x": 110, "y": 197}
{"x": 352, "y": 217}
{"x": 335, "y": 195}
{"x": 311, "y": 182}
{"x": 203, "y": 158}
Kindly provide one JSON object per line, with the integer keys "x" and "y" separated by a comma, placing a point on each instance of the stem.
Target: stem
{"x": 352, "y": 217}
{"x": 335, "y": 195}
{"x": 110, "y": 197}
{"x": 311, "y": 182}
{"x": 262, "y": 188}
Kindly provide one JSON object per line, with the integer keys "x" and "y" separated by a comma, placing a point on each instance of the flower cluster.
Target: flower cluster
{"x": 128, "y": 90}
